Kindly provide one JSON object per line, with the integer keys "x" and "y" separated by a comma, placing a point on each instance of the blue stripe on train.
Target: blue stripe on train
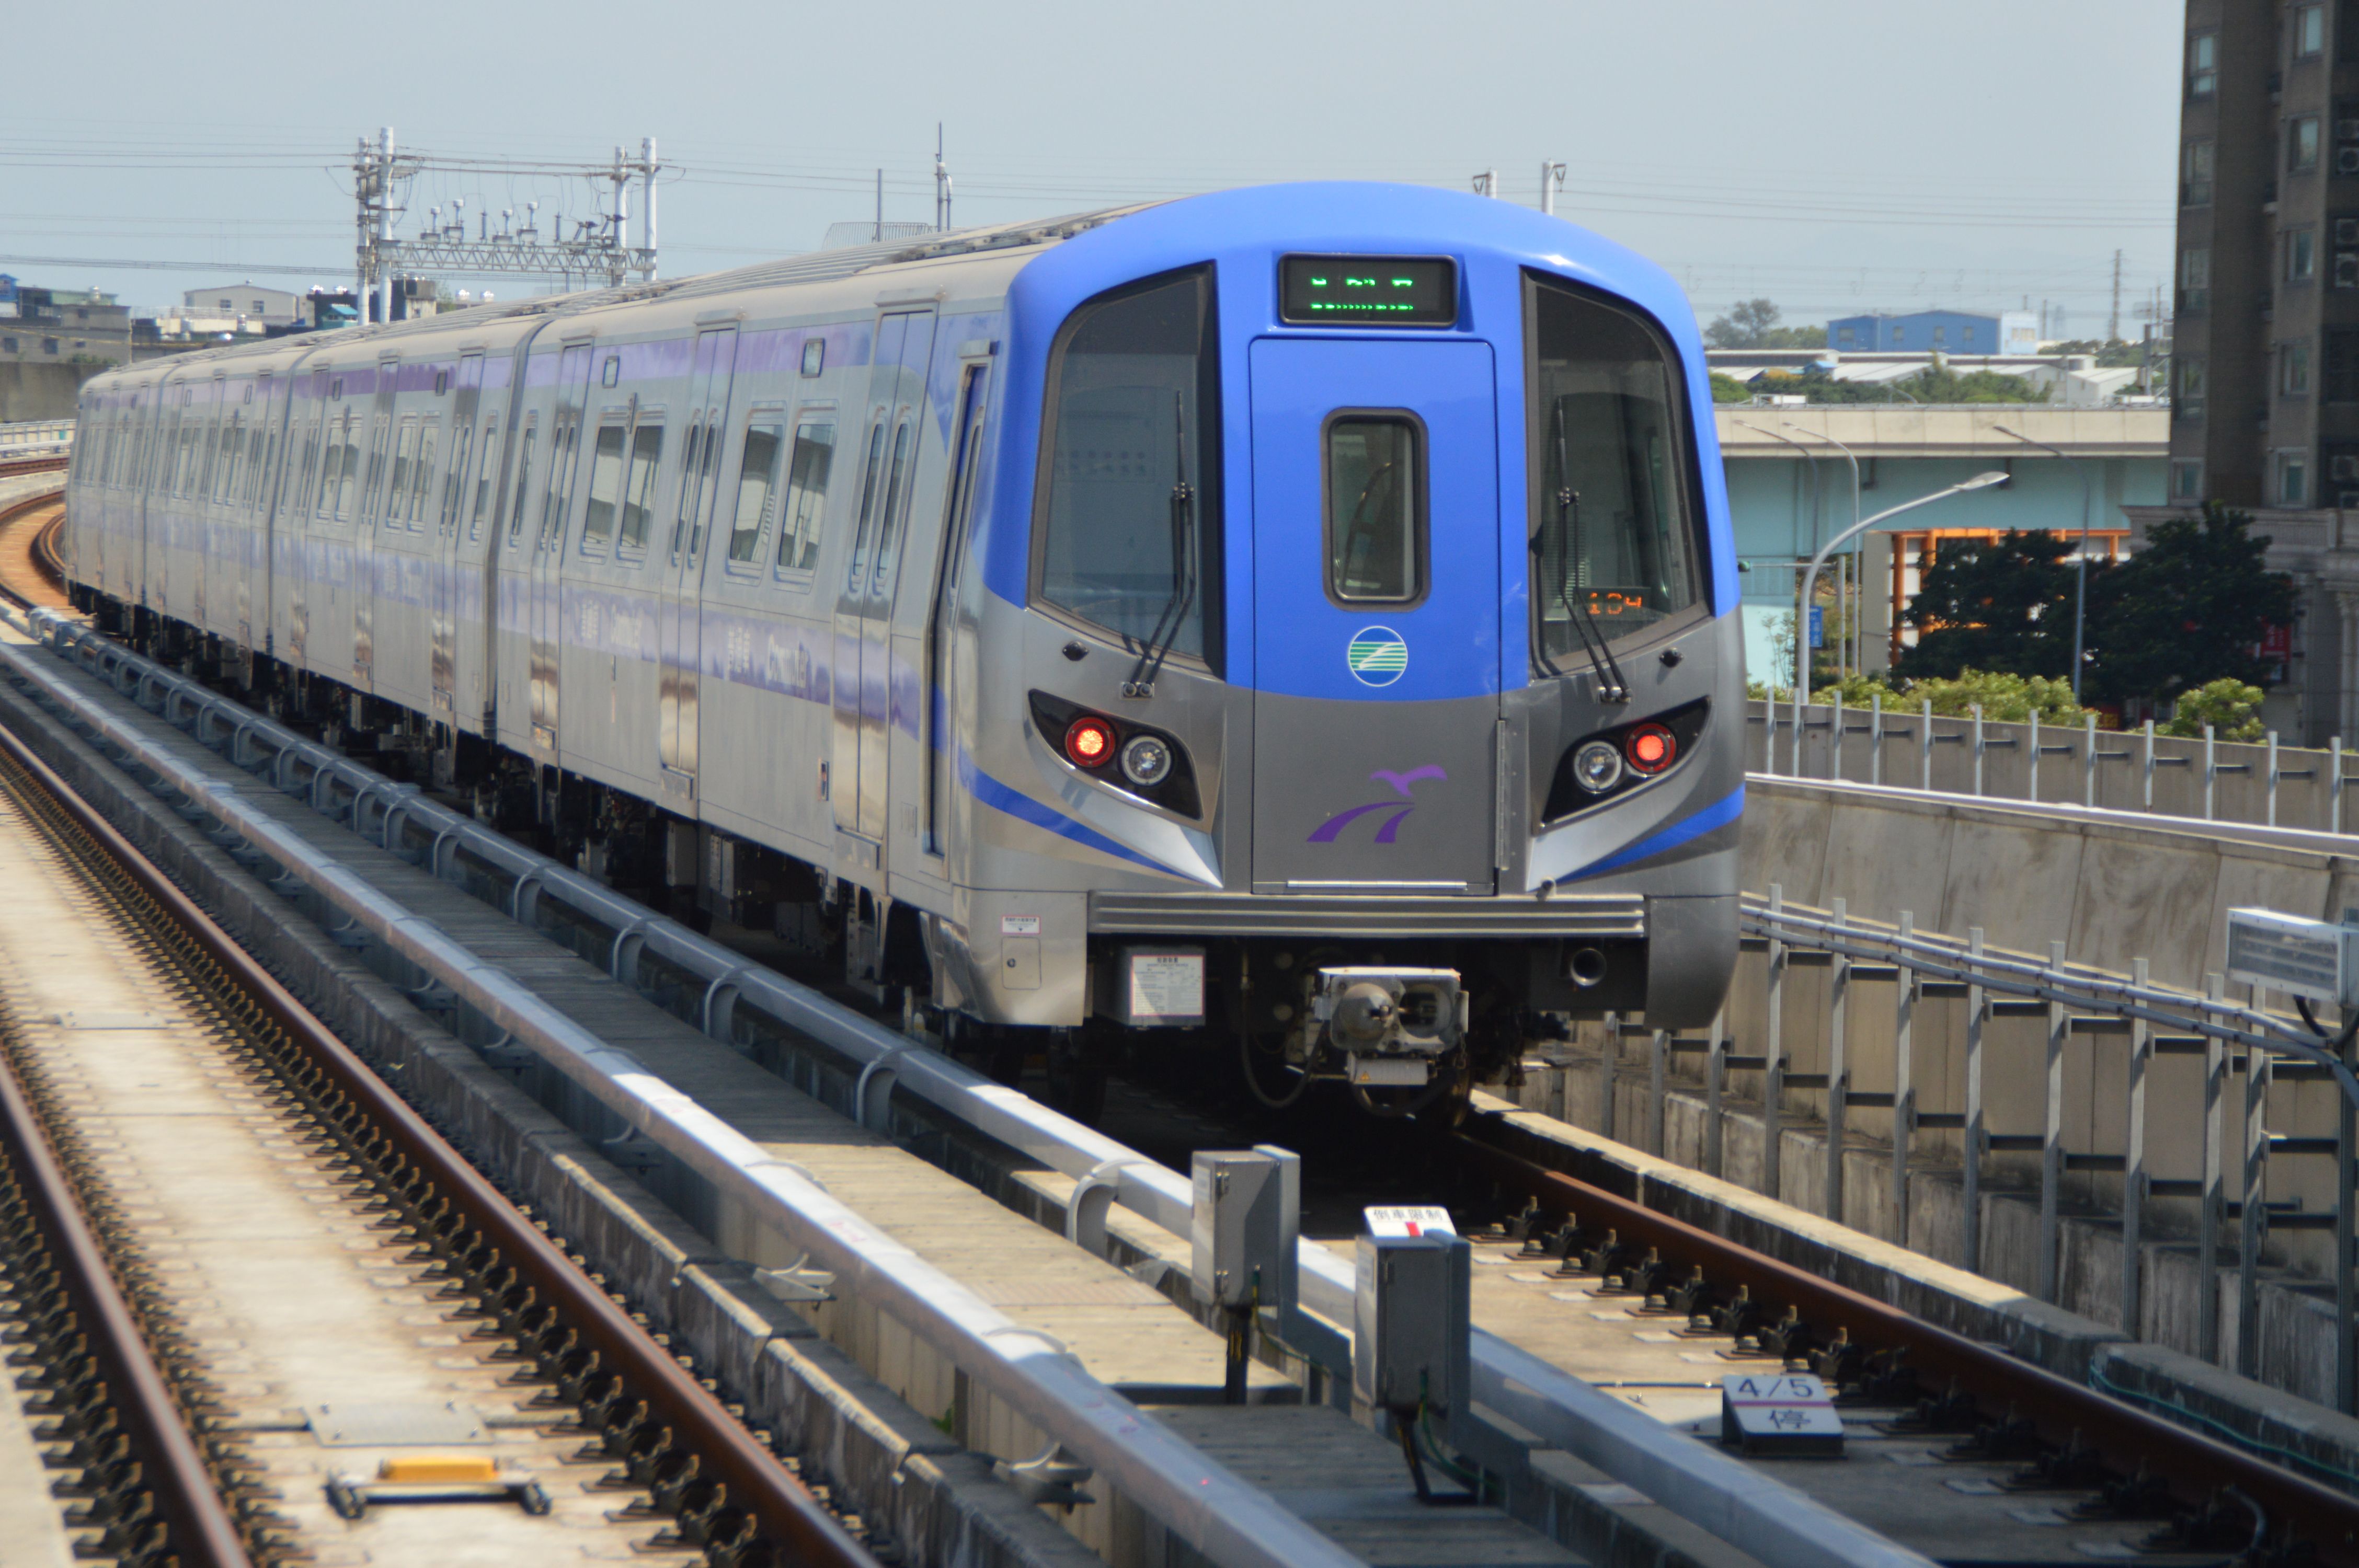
{"x": 1718, "y": 814}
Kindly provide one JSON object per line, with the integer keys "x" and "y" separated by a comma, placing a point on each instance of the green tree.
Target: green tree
{"x": 2004, "y": 607}
{"x": 2187, "y": 610}
{"x": 1753, "y": 324}
{"x": 2229, "y": 706}
{"x": 1728, "y": 389}
{"x": 2001, "y": 696}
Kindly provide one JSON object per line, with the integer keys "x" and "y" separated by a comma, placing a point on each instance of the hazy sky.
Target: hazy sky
{"x": 1833, "y": 155}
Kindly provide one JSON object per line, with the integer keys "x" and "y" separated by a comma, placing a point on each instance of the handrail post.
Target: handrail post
{"x": 2031, "y": 773}
{"x": 1904, "y": 1079}
{"x": 1925, "y": 744}
{"x": 2273, "y": 778}
{"x": 1970, "y": 1173}
{"x": 2252, "y": 1225}
{"x": 2211, "y": 770}
{"x": 2088, "y": 761}
{"x": 1978, "y": 751}
{"x": 2207, "y": 1230}
{"x": 2133, "y": 1169}
{"x": 1715, "y": 1079}
{"x": 2148, "y": 803}
{"x": 2052, "y": 1134}
{"x": 1838, "y": 1018}
{"x": 2334, "y": 800}
{"x": 1773, "y": 1070}
{"x": 1875, "y": 738}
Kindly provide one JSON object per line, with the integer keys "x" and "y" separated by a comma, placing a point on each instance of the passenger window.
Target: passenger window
{"x": 757, "y": 477}
{"x": 372, "y": 497}
{"x": 487, "y": 479}
{"x": 1133, "y": 406}
{"x": 708, "y": 480}
{"x": 1615, "y": 546}
{"x": 896, "y": 490}
{"x": 405, "y": 459}
{"x": 454, "y": 484}
{"x": 421, "y": 473}
{"x": 799, "y": 535}
{"x": 606, "y": 487}
{"x": 868, "y": 504}
{"x": 687, "y": 485}
{"x": 639, "y": 491}
{"x": 524, "y": 477}
{"x": 348, "y": 469}
{"x": 1375, "y": 509}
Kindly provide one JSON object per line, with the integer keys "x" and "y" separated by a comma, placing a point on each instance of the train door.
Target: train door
{"x": 442, "y": 559}
{"x": 367, "y": 513}
{"x": 941, "y": 623}
{"x": 548, "y": 544}
{"x": 680, "y": 614}
{"x": 1377, "y": 615}
{"x": 864, "y": 611}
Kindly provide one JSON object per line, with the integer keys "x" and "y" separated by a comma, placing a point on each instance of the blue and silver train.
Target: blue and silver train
{"x": 1298, "y": 621}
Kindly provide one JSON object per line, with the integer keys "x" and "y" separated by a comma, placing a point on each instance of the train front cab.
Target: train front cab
{"x": 1378, "y": 676}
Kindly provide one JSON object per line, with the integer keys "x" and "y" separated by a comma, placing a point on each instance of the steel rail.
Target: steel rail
{"x": 2057, "y": 1407}
{"x": 199, "y": 1531}
{"x": 1779, "y": 1525}
{"x": 1201, "y": 1502}
{"x": 756, "y": 1478}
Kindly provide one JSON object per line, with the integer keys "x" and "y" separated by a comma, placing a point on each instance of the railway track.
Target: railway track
{"x": 32, "y": 572}
{"x": 2163, "y": 1493}
{"x": 259, "y": 1302}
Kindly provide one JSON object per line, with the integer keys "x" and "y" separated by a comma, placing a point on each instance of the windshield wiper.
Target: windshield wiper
{"x": 1610, "y": 687}
{"x": 1183, "y": 565}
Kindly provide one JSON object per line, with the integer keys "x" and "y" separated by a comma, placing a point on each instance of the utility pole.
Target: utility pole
{"x": 942, "y": 183}
{"x": 1551, "y": 182}
{"x": 1487, "y": 183}
{"x": 2113, "y": 321}
{"x": 879, "y": 234}
{"x": 647, "y": 199}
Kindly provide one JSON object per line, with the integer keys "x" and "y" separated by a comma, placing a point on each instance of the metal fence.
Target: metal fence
{"x": 36, "y": 432}
{"x": 2082, "y": 1012}
{"x": 2264, "y": 783}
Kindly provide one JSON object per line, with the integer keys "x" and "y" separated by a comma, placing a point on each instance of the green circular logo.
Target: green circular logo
{"x": 1376, "y": 655}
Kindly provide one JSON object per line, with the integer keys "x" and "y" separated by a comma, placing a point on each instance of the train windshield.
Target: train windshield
{"x": 1130, "y": 464}
{"x": 1614, "y": 549}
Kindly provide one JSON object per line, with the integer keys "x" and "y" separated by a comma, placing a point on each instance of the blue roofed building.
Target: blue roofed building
{"x": 1949, "y": 331}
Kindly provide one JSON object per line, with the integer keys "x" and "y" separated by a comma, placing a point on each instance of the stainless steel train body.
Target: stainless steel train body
{"x": 1302, "y": 616}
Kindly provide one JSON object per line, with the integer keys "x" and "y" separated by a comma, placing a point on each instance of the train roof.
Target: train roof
{"x": 1093, "y": 250}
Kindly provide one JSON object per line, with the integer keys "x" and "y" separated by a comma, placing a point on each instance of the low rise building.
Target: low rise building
{"x": 55, "y": 326}
{"x": 1949, "y": 331}
{"x": 234, "y": 302}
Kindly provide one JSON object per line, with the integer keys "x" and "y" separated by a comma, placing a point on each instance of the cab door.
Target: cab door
{"x": 679, "y": 615}
{"x": 863, "y": 677}
{"x": 1377, "y": 615}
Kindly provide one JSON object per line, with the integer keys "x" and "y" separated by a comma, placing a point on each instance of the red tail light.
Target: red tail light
{"x": 1088, "y": 742}
{"x": 1650, "y": 749}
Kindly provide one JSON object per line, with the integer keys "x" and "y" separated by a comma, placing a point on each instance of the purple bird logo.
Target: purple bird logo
{"x": 1403, "y": 784}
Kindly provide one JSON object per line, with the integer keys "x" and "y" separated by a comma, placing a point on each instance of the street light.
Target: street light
{"x": 2081, "y": 565}
{"x": 1811, "y": 578}
{"x": 1859, "y": 648}
{"x": 1810, "y": 463}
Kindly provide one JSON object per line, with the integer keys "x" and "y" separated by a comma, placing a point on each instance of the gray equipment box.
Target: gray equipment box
{"x": 1411, "y": 1320}
{"x": 1248, "y": 1207}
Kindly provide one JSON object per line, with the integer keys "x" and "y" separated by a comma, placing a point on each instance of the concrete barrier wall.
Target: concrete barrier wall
{"x": 2111, "y": 889}
{"x": 2165, "y": 775}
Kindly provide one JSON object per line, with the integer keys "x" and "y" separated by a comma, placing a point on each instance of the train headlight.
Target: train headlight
{"x": 1651, "y": 749}
{"x": 1147, "y": 760}
{"x": 1088, "y": 742}
{"x": 1597, "y": 766}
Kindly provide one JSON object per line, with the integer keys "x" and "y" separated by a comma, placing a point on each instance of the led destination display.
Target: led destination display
{"x": 1378, "y": 291}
